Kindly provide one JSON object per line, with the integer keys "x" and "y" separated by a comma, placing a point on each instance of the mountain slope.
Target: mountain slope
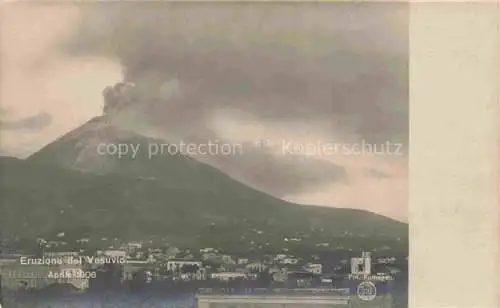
{"x": 69, "y": 187}
{"x": 79, "y": 150}
{"x": 41, "y": 201}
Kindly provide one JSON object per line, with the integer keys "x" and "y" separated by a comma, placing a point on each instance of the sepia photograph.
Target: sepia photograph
{"x": 204, "y": 154}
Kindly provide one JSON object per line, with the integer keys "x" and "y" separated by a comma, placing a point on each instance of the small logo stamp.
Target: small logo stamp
{"x": 367, "y": 291}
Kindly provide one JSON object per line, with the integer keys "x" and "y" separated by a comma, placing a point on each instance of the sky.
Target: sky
{"x": 261, "y": 75}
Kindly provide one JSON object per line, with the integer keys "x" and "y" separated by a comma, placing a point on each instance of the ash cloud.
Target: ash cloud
{"x": 306, "y": 61}
{"x": 118, "y": 97}
{"x": 341, "y": 63}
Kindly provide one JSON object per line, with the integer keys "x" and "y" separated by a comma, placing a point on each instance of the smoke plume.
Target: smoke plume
{"x": 241, "y": 71}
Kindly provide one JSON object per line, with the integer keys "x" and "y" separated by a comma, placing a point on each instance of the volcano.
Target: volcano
{"x": 68, "y": 186}
{"x": 79, "y": 150}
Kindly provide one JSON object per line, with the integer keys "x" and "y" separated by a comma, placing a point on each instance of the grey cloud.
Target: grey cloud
{"x": 258, "y": 167}
{"x": 36, "y": 122}
{"x": 343, "y": 63}
{"x": 347, "y": 62}
{"x": 278, "y": 175}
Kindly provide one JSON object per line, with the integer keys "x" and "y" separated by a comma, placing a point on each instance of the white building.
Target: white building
{"x": 176, "y": 265}
{"x": 228, "y": 259}
{"x": 208, "y": 250}
{"x": 314, "y": 268}
{"x": 361, "y": 266}
{"x": 132, "y": 267}
{"x": 386, "y": 260}
{"x": 134, "y": 245}
{"x": 256, "y": 266}
{"x": 200, "y": 274}
{"x": 115, "y": 253}
{"x": 290, "y": 261}
{"x": 279, "y": 257}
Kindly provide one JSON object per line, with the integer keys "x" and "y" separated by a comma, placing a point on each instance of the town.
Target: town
{"x": 142, "y": 265}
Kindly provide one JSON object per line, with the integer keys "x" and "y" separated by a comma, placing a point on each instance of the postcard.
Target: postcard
{"x": 205, "y": 154}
